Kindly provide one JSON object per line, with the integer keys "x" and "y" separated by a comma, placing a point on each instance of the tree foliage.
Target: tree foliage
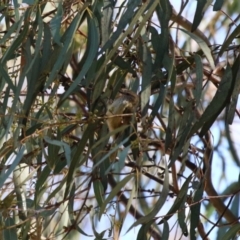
{"x": 63, "y": 174}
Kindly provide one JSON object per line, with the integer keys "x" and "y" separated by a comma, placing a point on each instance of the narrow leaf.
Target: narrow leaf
{"x": 201, "y": 7}
{"x": 62, "y": 49}
{"x": 91, "y": 51}
{"x": 216, "y": 105}
{"x": 159, "y": 204}
{"x": 10, "y": 232}
{"x": 236, "y": 89}
{"x": 65, "y": 146}
{"x": 180, "y": 198}
{"x": 114, "y": 193}
{"x": 5, "y": 174}
{"x": 226, "y": 43}
{"x": 195, "y": 211}
{"x": 199, "y": 78}
{"x": 165, "y": 234}
{"x": 143, "y": 231}
{"x": 203, "y": 45}
{"x": 99, "y": 191}
{"x": 232, "y": 232}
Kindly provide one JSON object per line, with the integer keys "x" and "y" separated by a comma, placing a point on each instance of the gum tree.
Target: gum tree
{"x": 63, "y": 66}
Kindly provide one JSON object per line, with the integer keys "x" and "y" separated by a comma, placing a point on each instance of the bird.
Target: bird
{"x": 126, "y": 102}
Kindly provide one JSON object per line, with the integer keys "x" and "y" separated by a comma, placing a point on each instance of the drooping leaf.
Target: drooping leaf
{"x": 232, "y": 232}
{"x": 92, "y": 47}
{"x": 142, "y": 233}
{"x": 199, "y": 13}
{"x": 55, "y": 25}
{"x": 165, "y": 234}
{"x": 65, "y": 146}
{"x": 63, "y": 48}
{"x": 215, "y": 107}
{"x": 203, "y": 45}
{"x": 106, "y": 21}
{"x": 6, "y": 173}
{"x": 114, "y": 192}
{"x": 235, "y": 91}
{"x": 146, "y": 80}
{"x": 179, "y": 200}
{"x": 125, "y": 19}
{"x": 195, "y": 211}
{"x": 76, "y": 155}
{"x": 199, "y": 79}
{"x": 99, "y": 191}
{"x": 229, "y": 40}
{"x": 159, "y": 204}
{"x": 10, "y": 232}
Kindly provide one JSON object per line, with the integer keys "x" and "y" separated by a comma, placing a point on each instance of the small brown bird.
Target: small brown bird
{"x": 126, "y": 102}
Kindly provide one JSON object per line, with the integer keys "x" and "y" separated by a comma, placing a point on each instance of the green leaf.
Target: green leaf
{"x": 201, "y": 7}
{"x": 229, "y": 40}
{"x": 114, "y": 193}
{"x": 235, "y": 205}
{"x": 186, "y": 120}
{"x": 118, "y": 166}
{"x": 88, "y": 133}
{"x": 195, "y": 211}
{"x": 129, "y": 203}
{"x": 146, "y": 79}
{"x": 99, "y": 191}
{"x": 122, "y": 34}
{"x": 106, "y": 21}
{"x": 16, "y": 9}
{"x": 182, "y": 217}
{"x": 10, "y": 232}
{"x": 199, "y": 79}
{"x": 232, "y": 232}
{"x": 11, "y": 30}
{"x": 232, "y": 148}
{"x": 124, "y": 65}
{"x": 61, "y": 51}
{"x": 158, "y": 103}
{"x": 203, "y": 45}
{"x": 37, "y": 44}
{"x": 90, "y": 54}
{"x": 182, "y": 221}
{"x": 143, "y": 231}
{"x": 160, "y": 49}
{"x": 56, "y": 24}
{"x": 235, "y": 92}
{"x": 124, "y": 20}
{"x": 216, "y": 105}
{"x": 106, "y": 156}
{"x": 171, "y": 124}
{"x": 164, "y": 13}
{"x": 40, "y": 185}
{"x": 218, "y": 5}
{"x": 6, "y": 77}
{"x": 71, "y": 212}
{"x": 29, "y": 2}
{"x": 179, "y": 200}
{"x": 19, "y": 39}
{"x": 47, "y": 50}
{"x": 65, "y": 146}
{"x": 165, "y": 234}
{"x": 158, "y": 205}
{"x": 6, "y": 173}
